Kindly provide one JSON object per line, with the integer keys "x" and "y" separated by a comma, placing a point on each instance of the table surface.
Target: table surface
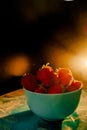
{"x": 16, "y": 115}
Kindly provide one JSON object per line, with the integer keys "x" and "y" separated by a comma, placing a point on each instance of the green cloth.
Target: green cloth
{"x": 15, "y": 115}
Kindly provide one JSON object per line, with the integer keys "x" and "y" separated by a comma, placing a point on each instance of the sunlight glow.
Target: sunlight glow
{"x": 79, "y": 63}
{"x": 79, "y": 66}
{"x": 85, "y": 62}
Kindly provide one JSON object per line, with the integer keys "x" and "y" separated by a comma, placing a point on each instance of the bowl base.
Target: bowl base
{"x": 50, "y": 125}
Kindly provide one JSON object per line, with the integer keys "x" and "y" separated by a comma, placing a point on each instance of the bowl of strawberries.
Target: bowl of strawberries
{"x": 52, "y": 94}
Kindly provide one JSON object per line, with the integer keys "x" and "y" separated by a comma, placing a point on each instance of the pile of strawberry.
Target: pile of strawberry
{"x": 48, "y": 80}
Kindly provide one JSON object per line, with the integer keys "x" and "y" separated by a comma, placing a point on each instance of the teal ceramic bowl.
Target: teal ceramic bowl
{"x": 53, "y": 106}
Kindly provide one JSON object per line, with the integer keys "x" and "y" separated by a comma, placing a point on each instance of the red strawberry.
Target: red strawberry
{"x": 45, "y": 74}
{"x": 74, "y": 85}
{"x": 54, "y": 79}
{"x": 29, "y": 82}
{"x": 55, "y": 89}
{"x": 65, "y": 76}
{"x": 40, "y": 89}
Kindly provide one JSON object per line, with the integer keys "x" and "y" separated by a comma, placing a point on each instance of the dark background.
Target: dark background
{"x": 21, "y": 32}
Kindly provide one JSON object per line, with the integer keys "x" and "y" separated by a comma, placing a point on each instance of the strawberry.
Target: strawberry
{"x": 29, "y": 82}
{"x": 40, "y": 89}
{"x": 74, "y": 85}
{"x": 55, "y": 89}
{"x": 65, "y": 76}
{"x": 45, "y": 74}
{"x": 54, "y": 79}
{"x": 48, "y": 80}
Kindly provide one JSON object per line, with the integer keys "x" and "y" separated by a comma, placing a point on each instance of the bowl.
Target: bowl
{"x": 53, "y": 107}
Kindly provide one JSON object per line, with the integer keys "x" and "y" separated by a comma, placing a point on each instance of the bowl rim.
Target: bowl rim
{"x": 65, "y": 93}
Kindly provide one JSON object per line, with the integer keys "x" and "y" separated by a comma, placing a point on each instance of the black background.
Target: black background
{"x": 18, "y": 35}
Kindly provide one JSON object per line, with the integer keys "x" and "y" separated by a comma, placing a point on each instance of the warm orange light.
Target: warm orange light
{"x": 17, "y": 65}
{"x": 85, "y": 62}
{"x": 57, "y": 56}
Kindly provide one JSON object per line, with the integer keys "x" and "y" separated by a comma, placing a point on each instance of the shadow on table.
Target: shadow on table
{"x": 27, "y": 120}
